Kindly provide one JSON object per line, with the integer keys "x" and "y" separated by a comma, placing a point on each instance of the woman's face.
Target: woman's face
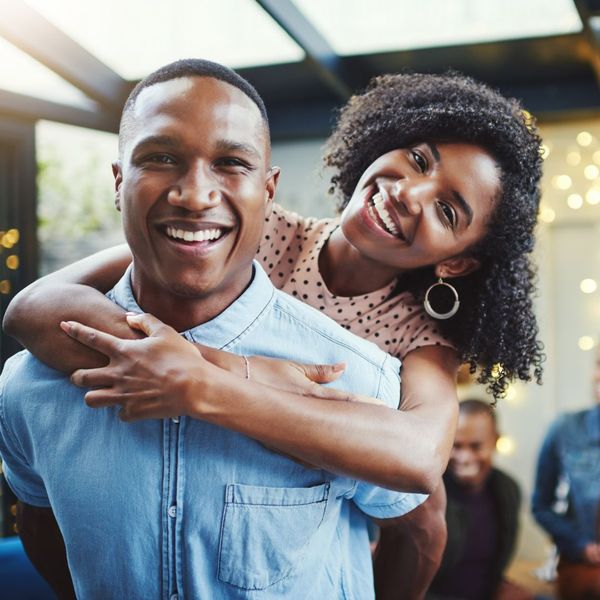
{"x": 418, "y": 206}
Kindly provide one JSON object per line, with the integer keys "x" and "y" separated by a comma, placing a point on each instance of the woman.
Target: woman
{"x": 438, "y": 178}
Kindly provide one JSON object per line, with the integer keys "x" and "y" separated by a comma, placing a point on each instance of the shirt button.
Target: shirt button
{"x": 172, "y": 511}
{"x": 175, "y": 419}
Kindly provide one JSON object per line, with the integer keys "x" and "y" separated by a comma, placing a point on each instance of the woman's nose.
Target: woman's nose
{"x": 409, "y": 196}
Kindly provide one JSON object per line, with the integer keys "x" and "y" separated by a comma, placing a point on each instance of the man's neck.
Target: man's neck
{"x": 183, "y": 311}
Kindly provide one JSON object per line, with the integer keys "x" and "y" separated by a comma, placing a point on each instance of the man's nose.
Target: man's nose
{"x": 198, "y": 189}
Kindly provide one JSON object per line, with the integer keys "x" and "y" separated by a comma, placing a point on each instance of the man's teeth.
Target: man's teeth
{"x": 383, "y": 214}
{"x": 203, "y": 235}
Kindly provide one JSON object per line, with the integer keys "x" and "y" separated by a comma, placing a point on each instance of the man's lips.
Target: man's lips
{"x": 194, "y": 233}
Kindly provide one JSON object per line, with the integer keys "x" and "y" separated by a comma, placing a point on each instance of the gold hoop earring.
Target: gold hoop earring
{"x": 433, "y": 313}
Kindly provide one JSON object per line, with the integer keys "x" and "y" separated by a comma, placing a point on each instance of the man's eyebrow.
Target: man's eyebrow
{"x": 233, "y": 146}
{"x": 464, "y": 205}
{"x": 434, "y": 151}
{"x": 157, "y": 140}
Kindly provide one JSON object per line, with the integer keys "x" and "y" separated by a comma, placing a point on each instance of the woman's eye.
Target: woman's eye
{"x": 448, "y": 213}
{"x": 420, "y": 161}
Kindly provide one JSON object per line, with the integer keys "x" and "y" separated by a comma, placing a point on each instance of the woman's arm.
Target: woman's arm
{"x": 166, "y": 376}
{"x": 34, "y": 314}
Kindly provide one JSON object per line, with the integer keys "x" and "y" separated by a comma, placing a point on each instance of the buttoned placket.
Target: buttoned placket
{"x": 172, "y": 491}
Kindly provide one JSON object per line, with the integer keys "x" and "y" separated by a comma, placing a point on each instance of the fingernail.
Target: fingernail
{"x": 339, "y": 367}
{"x": 65, "y": 326}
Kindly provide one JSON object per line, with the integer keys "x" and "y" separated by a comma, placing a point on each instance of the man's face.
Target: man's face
{"x": 193, "y": 185}
{"x": 473, "y": 451}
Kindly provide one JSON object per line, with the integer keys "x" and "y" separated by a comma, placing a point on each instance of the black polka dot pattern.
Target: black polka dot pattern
{"x": 398, "y": 324}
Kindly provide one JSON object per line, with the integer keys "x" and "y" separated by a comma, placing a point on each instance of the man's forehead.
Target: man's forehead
{"x": 195, "y": 93}
{"x": 216, "y": 103}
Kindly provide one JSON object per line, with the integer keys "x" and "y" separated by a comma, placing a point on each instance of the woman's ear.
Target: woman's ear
{"x": 457, "y": 267}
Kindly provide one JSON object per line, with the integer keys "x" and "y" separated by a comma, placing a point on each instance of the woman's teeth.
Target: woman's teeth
{"x": 382, "y": 213}
{"x": 203, "y": 235}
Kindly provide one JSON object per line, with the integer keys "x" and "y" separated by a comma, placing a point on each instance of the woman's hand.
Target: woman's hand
{"x": 148, "y": 378}
{"x": 154, "y": 377}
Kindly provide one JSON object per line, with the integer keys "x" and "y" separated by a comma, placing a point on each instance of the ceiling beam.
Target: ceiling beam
{"x": 32, "y": 109}
{"x": 319, "y": 54}
{"x": 29, "y": 31}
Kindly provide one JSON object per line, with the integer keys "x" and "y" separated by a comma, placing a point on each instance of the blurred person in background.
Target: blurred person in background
{"x": 482, "y": 514}
{"x": 571, "y": 453}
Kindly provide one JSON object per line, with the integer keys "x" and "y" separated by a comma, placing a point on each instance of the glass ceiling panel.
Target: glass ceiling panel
{"x": 22, "y": 74}
{"x": 357, "y": 27}
{"x": 134, "y": 37}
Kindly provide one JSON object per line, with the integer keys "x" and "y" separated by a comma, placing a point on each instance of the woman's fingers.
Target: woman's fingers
{"x": 93, "y": 378}
{"x": 322, "y": 373}
{"x": 148, "y": 324}
{"x": 92, "y": 338}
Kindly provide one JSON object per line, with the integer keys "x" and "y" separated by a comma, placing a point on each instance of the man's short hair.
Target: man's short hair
{"x": 474, "y": 406}
{"x": 190, "y": 67}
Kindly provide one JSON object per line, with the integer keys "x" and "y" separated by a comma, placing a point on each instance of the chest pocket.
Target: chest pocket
{"x": 265, "y": 532}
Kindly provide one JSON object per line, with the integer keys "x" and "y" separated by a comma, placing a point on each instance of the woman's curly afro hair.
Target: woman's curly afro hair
{"x": 495, "y": 329}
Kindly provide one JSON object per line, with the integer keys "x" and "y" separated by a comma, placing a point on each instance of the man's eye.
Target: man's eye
{"x": 164, "y": 159}
{"x": 420, "y": 161}
{"x": 231, "y": 161}
{"x": 448, "y": 214}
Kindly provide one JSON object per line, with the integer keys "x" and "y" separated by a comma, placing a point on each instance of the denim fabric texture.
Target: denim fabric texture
{"x": 571, "y": 450}
{"x": 187, "y": 509}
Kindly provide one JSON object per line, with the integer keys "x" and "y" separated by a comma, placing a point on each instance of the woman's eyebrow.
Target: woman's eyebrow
{"x": 434, "y": 151}
{"x": 464, "y": 205}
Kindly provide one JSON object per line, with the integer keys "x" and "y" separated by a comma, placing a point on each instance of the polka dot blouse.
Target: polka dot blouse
{"x": 289, "y": 253}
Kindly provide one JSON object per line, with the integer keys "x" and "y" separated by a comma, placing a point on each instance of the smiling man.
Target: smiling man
{"x": 482, "y": 514}
{"x": 182, "y": 507}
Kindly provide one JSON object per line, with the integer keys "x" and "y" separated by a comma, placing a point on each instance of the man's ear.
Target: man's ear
{"x": 270, "y": 187}
{"x": 457, "y": 267}
{"x": 118, "y": 175}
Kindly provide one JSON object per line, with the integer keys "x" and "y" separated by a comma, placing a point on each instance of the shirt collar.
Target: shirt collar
{"x": 226, "y": 327}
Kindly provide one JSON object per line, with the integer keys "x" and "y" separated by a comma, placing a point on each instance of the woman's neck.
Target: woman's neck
{"x": 346, "y": 272}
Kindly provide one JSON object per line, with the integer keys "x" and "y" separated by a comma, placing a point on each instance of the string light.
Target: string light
{"x": 547, "y": 214}
{"x": 584, "y": 138}
{"x": 585, "y": 343}
{"x": 562, "y": 182}
{"x": 575, "y": 201}
{"x": 592, "y": 196}
{"x": 12, "y": 262}
{"x": 505, "y": 445}
{"x": 574, "y": 158}
{"x": 588, "y": 286}
{"x": 591, "y": 172}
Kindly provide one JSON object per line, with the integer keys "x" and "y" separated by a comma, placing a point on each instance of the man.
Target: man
{"x": 571, "y": 453}
{"x": 181, "y": 507}
{"x": 481, "y": 514}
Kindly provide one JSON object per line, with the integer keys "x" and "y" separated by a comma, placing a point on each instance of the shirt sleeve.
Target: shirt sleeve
{"x": 381, "y": 503}
{"x": 26, "y": 484}
{"x": 561, "y": 528}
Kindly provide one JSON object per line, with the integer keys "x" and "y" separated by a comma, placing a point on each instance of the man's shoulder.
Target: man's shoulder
{"x": 505, "y": 481}
{"x": 309, "y": 318}
{"x": 24, "y": 376}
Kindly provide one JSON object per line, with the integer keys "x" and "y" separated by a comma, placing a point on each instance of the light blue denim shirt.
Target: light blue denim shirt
{"x": 190, "y": 510}
{"x": 571, "y": 451}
